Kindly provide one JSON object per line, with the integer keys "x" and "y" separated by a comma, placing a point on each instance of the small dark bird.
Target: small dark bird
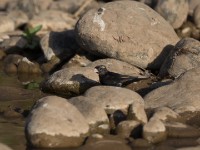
{"x": 114, "y": 79}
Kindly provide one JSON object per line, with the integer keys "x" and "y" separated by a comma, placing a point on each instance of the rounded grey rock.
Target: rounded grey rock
{"x": 184, "y": 56}
{"x": 174, "y": 11}
{"x": 136, "y": 112}
{"x": 181, "y": 96}
{"x": 165, "y": 114}
{"x": 95, "y": 115}
{"x": 125, "y": 128}
{"x": 154, "y": 131}
{"x": 69, "y": 82}
{"x": 113, "y": 98}
{"x": 55, "y": 123}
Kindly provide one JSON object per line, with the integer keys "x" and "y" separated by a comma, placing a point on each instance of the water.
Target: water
{"x": 12, "y": 133}
{"x": 14, "y": 95}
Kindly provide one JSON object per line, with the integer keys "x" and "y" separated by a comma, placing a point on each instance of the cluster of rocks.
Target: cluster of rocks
{"x": 52, "y": 53}
{"x": 168, "y": 112}
{"x": 129, "y": 38}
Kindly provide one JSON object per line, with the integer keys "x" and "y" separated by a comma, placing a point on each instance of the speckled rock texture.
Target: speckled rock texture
{"x": 183, "y": 57}
{"x": 126, "y": 30}
{"x": 71, "y": 82}
{"x": 181, "y": 96}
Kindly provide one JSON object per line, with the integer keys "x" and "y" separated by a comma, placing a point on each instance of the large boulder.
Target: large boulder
{"x": 182, "y": 96}
{"x": 126, "y": 30}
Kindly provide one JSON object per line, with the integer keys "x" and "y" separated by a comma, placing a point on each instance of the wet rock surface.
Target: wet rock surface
{"x": 18, "y": 64}
{"x": 126, "y": 128}
{"x": 106, "y": 143}
{"x": 176, "y": 129}
{"x": 154, "y": 131}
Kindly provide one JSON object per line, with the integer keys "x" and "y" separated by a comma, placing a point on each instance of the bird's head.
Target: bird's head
{"x": 101, "y": 70}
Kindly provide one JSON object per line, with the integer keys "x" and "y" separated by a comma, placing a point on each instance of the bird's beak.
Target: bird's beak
{"x": 95, "y": 70}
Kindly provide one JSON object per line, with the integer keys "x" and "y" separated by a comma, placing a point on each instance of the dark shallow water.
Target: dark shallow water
{"x": 14, "y": 95}
{"x": 12, "y": 133}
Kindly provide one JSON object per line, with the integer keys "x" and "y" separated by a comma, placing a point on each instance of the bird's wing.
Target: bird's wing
{"x": 115, "y": 79}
